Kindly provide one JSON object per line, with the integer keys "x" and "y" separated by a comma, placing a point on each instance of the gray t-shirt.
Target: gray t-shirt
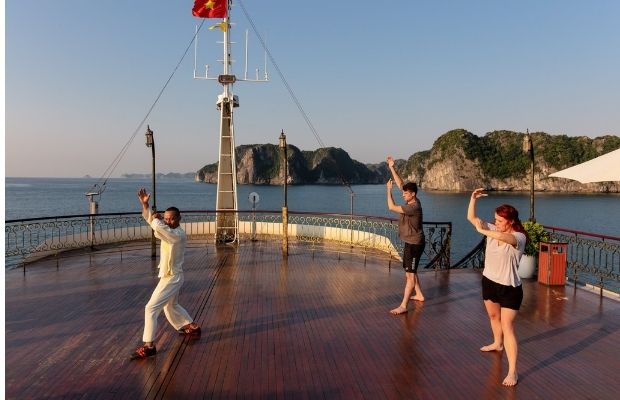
{"x": 410, "y": 224}
{"x": 501, "y": 260}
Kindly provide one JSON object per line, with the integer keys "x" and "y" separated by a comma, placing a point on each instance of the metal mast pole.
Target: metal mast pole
{"x": 227, "y": 222}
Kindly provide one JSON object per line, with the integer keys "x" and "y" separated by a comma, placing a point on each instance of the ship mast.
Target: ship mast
{"x": 227, "y": 220}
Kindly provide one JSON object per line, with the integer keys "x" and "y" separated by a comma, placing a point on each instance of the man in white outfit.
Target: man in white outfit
{"x": 166, "y": 294}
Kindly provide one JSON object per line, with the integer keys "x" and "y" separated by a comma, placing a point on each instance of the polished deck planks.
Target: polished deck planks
{"x": 314, "y": 326}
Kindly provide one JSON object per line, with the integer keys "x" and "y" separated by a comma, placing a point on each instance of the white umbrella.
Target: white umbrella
{"x": 600, "y": 169}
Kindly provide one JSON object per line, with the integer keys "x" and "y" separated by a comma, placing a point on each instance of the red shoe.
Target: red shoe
{"x": 143, "y": 352}
{"x": 188, "y": 330}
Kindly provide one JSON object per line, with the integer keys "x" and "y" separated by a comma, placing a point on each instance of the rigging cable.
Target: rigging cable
{"x": 290, "y": 91}
{"x": 108, "y": 172}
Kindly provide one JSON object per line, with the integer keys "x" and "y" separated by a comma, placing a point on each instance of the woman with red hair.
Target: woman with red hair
{"x": 501, "y": 286}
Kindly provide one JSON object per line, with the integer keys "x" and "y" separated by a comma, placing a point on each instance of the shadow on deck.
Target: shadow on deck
{"x": 313, "y": 327}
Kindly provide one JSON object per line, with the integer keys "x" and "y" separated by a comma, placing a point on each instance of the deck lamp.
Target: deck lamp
{"x": 150, "y": 142}
{"x": 528, "y": 147}
{"x": 285, "y": 207}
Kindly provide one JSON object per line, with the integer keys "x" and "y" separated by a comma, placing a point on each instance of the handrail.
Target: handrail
{"x": 214, "y": 211}
{"x": 591, "y": 258}
{"x": 596, "y": 235}
{"x": 12, "y": 221}
{"x": 32, "y": 238}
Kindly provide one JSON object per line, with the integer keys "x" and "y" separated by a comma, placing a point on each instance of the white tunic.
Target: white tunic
{"x": 173, "y": 242}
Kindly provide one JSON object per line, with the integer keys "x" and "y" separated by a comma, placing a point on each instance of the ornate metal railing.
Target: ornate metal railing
{"x": 474, "y": 259}
{"x": 591, "y": 258}
{"x": 27, "y": 240}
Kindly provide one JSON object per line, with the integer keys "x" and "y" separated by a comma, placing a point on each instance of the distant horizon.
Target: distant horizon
{"x": 120, "y": 176}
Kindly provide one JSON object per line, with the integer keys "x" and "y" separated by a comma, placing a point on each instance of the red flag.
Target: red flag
{"x": 210, "y": 8}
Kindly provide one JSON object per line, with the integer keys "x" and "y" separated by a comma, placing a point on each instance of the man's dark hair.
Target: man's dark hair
{"x": 410, "y": 187}
{"x": 176, "y": 210}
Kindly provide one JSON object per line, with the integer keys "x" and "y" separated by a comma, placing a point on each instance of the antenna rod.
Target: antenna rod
{"x": 195, "y": 48}
{"x": 245, "y": 75}
{"x": 226, "y": 56}
{"x": 265, "y": 56}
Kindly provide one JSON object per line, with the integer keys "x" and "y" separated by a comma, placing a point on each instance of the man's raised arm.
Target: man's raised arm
{"x": 144, "y": 197}
{"x": 397, "y": 179}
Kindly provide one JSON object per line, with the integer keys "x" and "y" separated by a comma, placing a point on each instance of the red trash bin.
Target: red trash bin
{"x": 552, "y": 263}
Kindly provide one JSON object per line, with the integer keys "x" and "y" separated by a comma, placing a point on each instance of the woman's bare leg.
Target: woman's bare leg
{"x": 494, "y": 312}
{"x": 510, "y": 343}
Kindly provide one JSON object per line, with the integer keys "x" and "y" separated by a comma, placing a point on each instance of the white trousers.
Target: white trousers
{"x": 165, "y": 297}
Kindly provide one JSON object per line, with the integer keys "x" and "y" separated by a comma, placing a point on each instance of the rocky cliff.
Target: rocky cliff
{"x": 458, "y": 161}
{"x": 261, "y": 164}
{"x": 462, "y": 161}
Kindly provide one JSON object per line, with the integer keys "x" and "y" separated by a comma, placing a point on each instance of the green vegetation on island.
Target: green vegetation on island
{"x": 458, "y": 160}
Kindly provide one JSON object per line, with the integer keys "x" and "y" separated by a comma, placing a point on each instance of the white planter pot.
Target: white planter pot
{"x": 527, "y": 266}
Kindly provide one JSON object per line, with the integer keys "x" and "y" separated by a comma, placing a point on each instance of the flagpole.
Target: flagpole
{"x": 226, "y": 49}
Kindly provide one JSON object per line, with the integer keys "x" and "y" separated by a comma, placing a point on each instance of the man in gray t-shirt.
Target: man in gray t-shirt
{"x": 410, "y": 222}
{"x": 410, "y": 232}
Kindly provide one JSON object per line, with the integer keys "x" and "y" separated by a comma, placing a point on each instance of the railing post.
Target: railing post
{"x": 285, "y": 231}
{"x": 448, "y": 248}
{"x": 283, "y": 147}
{"x": 153, "y": 241}
{"x": 351, "y": 216}
{"x": 94, "y": 210}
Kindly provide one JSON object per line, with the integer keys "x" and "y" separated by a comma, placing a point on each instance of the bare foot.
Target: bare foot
{"x": 492, "y": 347}
{"x": 398, "y": 310}
{"x": 417, "y": 298}
{"x": 510, "y": 379}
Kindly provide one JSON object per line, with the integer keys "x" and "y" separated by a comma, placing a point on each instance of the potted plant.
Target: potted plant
{"x": 536, "y": 233}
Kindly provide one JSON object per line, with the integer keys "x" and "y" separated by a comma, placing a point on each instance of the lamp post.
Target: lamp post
{"x": 150, "y": 142}
{"x": 285, "y": 207}
{"x": 528, "y": 146}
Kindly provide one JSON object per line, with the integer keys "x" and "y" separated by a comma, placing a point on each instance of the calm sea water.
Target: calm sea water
{"x": 43, "y": 197}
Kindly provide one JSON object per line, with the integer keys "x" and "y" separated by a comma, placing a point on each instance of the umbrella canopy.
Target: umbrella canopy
{"x": 600, "y": 169}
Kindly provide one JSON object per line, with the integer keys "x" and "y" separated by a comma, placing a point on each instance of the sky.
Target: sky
{"x": 374, "y": 78}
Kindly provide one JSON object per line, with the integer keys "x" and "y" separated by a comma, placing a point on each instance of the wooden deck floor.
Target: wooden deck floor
{"x": 310, "y": 328}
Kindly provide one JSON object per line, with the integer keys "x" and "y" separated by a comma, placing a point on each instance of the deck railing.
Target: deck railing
{"x": 474, "y": 258}
{"x": 27, "y": 240}
{"x": 591, "y": 259}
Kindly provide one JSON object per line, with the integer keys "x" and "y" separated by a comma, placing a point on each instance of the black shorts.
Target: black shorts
{"x": 411, "y": 256}
{"x": 506, "y": 296}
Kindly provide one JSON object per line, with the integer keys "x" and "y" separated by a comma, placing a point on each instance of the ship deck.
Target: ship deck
{"x": 314, "y": 326}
